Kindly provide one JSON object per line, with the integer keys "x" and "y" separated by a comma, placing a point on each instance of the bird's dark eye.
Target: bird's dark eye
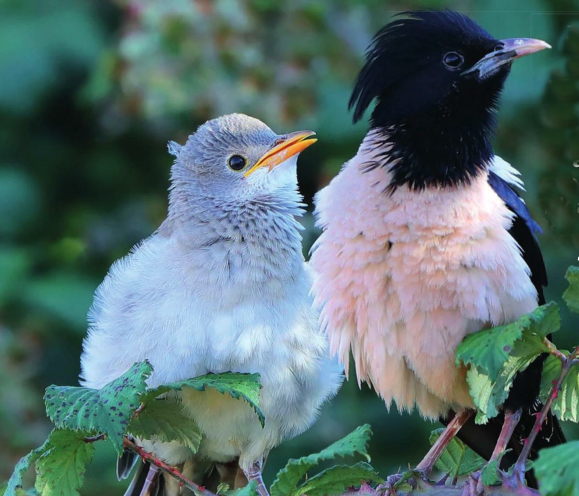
{"x": 453, "y": 60}
{"x": 498, "y": 47}
{"x": 237, "y": 162}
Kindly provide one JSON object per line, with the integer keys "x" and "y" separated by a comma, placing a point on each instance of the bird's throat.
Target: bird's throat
{"x": 445, "y": 145}
{"x": 434, "y": 153}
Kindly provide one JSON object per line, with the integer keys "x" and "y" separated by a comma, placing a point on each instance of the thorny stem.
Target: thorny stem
{"x": 145, "y": 455}
{"x": 554, "y": 351}
{"x": 567, "y": 363}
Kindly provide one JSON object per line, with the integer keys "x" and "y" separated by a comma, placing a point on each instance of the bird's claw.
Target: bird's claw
{"x": 413, "y": 478}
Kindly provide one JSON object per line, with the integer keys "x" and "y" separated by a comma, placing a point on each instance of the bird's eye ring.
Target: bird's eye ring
{"x": 237, "y": 162}
{"x": 453, "y": 60}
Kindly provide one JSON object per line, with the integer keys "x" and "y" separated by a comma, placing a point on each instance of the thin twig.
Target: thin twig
{"x": 145, "y": 455}
{"x": 554, "y": 351}
{"x": 519, "y": 470}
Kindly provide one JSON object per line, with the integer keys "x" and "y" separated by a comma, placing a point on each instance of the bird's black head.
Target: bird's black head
{"x": 436, "y": 77}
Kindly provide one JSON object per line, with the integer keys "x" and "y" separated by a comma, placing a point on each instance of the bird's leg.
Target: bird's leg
{"x": 427, "y": 463}
{"x": 151, "y": 480}
{"x": 509, "y": 426}
{"x": 254, "y": 473}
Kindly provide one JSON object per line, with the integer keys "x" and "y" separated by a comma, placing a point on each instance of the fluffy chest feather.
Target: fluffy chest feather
{"x": 191, "y": 312}
{"x": 403, "y": 277}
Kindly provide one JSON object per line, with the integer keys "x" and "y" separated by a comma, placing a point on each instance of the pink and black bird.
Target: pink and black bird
{"x": 425, "y": 238}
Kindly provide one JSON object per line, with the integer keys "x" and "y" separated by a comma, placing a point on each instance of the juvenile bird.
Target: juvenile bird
{"x": 425, "y": 239}
{"x": 221, "y": 286}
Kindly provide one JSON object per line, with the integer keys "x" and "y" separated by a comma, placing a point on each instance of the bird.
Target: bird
{"x": 425, "y": 237}
{"x": 221, "y": 286}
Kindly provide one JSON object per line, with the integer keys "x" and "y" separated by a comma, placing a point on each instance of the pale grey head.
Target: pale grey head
{"x": 236, "y": 158}
{"x": 235, "y": 181}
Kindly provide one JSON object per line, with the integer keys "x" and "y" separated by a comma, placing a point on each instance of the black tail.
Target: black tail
{"x": 482, "y": 438}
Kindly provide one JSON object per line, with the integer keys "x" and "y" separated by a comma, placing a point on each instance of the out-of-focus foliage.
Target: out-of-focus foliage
{"x": 91, "y": 91}
{"x": 559, "y": 193}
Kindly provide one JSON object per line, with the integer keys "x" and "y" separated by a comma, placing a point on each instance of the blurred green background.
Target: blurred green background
{"x": 90, "y": 93}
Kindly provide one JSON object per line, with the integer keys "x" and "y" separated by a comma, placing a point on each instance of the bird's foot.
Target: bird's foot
{"x": 254, "y": 474}
{"x": 412, "y": 479}
{"x": 515, "y": 478}
{"x": 473, "y": 485}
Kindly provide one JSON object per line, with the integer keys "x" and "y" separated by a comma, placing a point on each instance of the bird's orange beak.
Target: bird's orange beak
{"x": 288, "y": 146}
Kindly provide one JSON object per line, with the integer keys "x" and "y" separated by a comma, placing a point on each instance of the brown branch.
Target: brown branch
{"x": 426, "y": 488}
{"x": 554, "y": 351}
{"x": 145, "y": 455}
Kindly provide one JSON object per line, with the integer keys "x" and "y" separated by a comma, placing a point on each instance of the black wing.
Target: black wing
{"x": 523, "y": 230}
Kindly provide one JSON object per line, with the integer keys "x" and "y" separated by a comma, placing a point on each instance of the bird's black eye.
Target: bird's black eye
{"x": 498, "y": 47}
{"x": 453, "y": 60}
{"x": 237, "y": 162}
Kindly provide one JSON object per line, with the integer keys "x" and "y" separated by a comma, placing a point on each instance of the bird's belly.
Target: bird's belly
{"x": 281, "y": 346}
{"x": 428, "y": 298}
{"x": 411, "y": 278}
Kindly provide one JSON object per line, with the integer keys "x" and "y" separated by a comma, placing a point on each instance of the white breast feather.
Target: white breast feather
{"x": 170, "y": 306}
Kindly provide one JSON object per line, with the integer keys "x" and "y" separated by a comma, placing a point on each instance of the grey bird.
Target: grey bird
{"x": 221, "y": 286}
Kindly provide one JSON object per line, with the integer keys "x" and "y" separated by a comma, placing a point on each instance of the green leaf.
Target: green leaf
{"x": 489, "y": 349}
{"x": 489, "y": 393}
{"x": 490, "y": 474}
{"x": 106, "y": 411}
{"x": 222, "y": 488}
{"x": 249, "y": 490}
{"x": 165, "y": 420}
{"x": 571, "y": 295}
{"x": 556, "y": 470}
{"x": 480, "y": 418}
{"x": 457, "y": 459}
{"x": 60, "y": 470}
{"x": 551, "y": 371}
{"x": 14, "y": 485}
{"x": 288, "y": 477}
{"x": 238, "y": 386}
{"x": 403, "y": 484}
{"x": 566, "y": 404}
{"x": 337, "y": 479}
{"x": 19, "y": 491}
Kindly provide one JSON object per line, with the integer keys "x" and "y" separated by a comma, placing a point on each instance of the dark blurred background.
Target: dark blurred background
{"x": 90, "y": 93}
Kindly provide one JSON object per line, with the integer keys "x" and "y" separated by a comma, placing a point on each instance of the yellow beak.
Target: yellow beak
{"x": 290, "y": 145}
